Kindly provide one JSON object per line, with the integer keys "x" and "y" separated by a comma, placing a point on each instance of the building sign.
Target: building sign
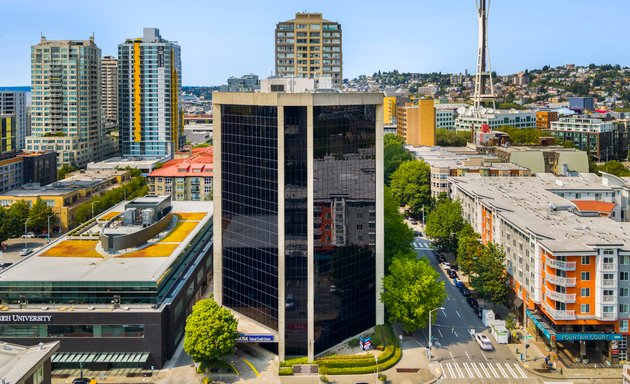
{"x": 587, "y": 336}
{"x": 25, "y": 318}
{"x": 249, "y": 338}
{"x": 160, "y": 56}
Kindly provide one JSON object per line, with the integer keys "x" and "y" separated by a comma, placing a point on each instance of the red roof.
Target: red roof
{"x": 199, "y": 164}
{"x": 594, "y": 206}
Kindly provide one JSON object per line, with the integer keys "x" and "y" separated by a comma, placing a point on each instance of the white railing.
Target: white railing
{"x": 562, "y": 297}
{"x": 562, "y": 281}
{"x": 609, "y": 316}
{"x": 559, "y": 314}
{"x": 608, "y": 282}
{"x": 609, "y": 267}
{"x": 563, "y": 265}
{"x": 608, "y": 299}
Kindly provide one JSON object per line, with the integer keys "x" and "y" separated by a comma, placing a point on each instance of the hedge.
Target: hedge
{"x": 285, "y": 371}
{"x": 295, "y": 360}
{"x": 365, "y": 369}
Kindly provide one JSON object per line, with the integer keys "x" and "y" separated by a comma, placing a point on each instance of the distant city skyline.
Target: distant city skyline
{"x": 235, "y": 38}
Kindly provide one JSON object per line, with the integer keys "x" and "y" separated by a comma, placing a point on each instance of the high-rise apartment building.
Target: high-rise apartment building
{"x": 415, "y": 123}
{"x": 66, "y": 100}
{"x": 309, "y": 46}
{"x": 109, "y": 88}
{"x": 13, "y": 104}
{"x": 149, "y": 84}
{"x": 298, "y": 224}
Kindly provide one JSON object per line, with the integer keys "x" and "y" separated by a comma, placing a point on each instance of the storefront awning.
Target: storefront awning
{"x": 105, "y": 357}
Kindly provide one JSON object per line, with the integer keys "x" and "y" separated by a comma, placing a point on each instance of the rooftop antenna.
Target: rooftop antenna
{"x": 484, "y": 90}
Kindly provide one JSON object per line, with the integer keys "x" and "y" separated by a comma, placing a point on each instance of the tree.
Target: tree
{"x": 448, "y": 138}
{"x": 444, "y": 223}
{"x": 468, "y": 249}
{"x": 210, "y": 332}
{"x": 410, "y": 185}
{"x": 38, "y": 216}
{"x": 15, "y": 218}
{"x": 490, "y": 278}
{"x": 394, "y": 154}
{"x": 64, "y": 170}
{"x": 614, "y": 168}
{"x": 398, "y": 235}
{"x": 410, "y": 291}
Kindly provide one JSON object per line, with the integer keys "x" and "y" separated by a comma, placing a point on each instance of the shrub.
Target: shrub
{"x": 382, "y": 377}
{"x": 285, "y": 371}
{"x": 295, "y": 360}
{"x": 353, "y": 342}
{"x": 324, "y": 379}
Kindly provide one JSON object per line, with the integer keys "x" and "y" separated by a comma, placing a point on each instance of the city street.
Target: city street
{"x": 455, "y": 351}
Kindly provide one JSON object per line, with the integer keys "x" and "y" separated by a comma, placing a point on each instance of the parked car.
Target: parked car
{"x": 478, "y": 311}
{"x": 290, "y": 301}
{"x": 25, "y": 251}
{"x": 413, "y": 222}
{"x": 441, "y": 259}
{"x": 472, "y": 302}
{"x": 452, "y": 274}
{"x": 484, "y": 342}
{"x": 454, "y": 266}
{"x": 464, "y": 291}
{"x": 458, "y": 283}
{"x": 29, "y": 235}
{"x": 418, "y": 233}
{"x": 42, "y": 235}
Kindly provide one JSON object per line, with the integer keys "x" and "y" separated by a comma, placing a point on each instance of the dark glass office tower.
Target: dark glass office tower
{"x": 299, "y": 215}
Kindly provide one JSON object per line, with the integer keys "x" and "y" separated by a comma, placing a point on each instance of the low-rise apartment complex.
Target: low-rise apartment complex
{"x": 603, "y": 140}
{"x": 567, "y": 246}
{"x": 187, "y": 177}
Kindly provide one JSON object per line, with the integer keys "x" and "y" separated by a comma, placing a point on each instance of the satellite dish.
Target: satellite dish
{"x": 461, "y": 110}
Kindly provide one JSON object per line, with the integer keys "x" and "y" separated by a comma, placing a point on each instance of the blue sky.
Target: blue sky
{"x": 230, "y": 38}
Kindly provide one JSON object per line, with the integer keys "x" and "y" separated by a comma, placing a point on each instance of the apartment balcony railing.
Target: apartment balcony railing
{"x": 608, "y": 299}
{"x": 562, "y": 281}
{"x": 563, "y": 265}
{"x": 559, "y": 314}
{"x": 609, "y": 267}
{"x": 608, "y": 316}
{"x": 561, "y": 297}
{"x": 608, "y": 282}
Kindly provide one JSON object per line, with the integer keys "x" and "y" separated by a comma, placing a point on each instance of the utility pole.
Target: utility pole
{"x": 430, "y": 337}
{"x": 525, "y": 327}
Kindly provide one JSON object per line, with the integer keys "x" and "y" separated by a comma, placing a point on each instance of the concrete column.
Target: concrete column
{"x": 281, "y": 244}
{"x": 380, "y": 226}
{"x": 309, "y": 235}
{"x": 217, "y": 263}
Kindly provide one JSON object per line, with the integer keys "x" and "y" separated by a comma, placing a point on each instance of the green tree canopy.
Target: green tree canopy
{"x": 210, "y": 333}
{"x": 490, "y": 278}
{"x": 444, "y": 223}
{"x": 449, "y": 138}
{"x": 16, "y": 217}
{"x": 38, "y": 216}
{"x": 64, "y": 170}
{"x": 522, "y": 136}
{"x": 398, "y": 235}
{"x": 468, "y": 249}
{"x": 410, "y": 291}
{"x": 394, "y": 154}
{"x": 410, "y": 185}
{"x": 614, "y": 168}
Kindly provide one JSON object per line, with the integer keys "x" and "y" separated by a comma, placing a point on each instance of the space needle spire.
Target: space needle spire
{"x": 484, "y": 90}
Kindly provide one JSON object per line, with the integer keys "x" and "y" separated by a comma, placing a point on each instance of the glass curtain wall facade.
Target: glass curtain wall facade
{"x": 249, "y": 142}
{"x": 344, "y": 173}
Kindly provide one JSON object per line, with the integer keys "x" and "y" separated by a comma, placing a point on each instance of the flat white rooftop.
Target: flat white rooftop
{"x": 57, "y": 261}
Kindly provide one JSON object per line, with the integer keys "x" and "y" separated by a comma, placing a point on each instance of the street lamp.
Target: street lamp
{"x": 423, "y": 216}
{"x": 25, "y": 232}
{"x": 430, "y": 339}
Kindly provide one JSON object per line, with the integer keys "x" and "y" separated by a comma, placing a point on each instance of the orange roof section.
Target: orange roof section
{"x": 594, "y": 206}
{"x": 199, "y": 164}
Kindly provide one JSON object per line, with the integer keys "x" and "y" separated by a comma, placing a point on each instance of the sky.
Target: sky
{"x": 227, "y": 38}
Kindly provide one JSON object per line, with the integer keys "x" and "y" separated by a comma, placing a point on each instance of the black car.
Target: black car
{"x": 452, "y": 274}
{"x": 454, "y": 266}
{"x": 441, "y": 259}
{"x": 472, "y": 302}
{"x": 464, "y": 291}
{"x": 477, "y": 311}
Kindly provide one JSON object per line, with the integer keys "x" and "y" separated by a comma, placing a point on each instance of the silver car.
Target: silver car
{"x": 484, "y": 342}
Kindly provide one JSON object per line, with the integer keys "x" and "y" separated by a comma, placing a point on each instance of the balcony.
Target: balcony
{"x": 563, "y": 265}
{"x": 561, "y": 281}
{"x": 559, "y": 314}
{"x": 608, "y": 299}
{"x": 609, "y": 267}
{"x": 561, "y": 297}
{"x": 608, "y": 282}
{"x": 608, "y": 316}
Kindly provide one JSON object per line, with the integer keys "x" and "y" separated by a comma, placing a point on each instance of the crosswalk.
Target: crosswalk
{"x": 482, "y": 371}
{"x": 421, "y": 244}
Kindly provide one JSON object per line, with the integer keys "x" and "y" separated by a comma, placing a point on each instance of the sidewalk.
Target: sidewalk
{"x": 535, "y": 357}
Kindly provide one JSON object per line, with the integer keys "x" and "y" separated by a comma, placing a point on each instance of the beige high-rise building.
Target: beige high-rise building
{"x": 309, "y": 46}
{"x": 66, "y": 101}
{"x": 109, "y": 88}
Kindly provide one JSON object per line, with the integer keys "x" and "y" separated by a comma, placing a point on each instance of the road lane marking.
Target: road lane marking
{"x": 468, "y": 355}
{"x": 484, "y": 356}
{"x": 451, "y": 371}
{"x": 459, "y": 371}
{"x": 460, "y": 316}
{"x": 444, "y": 313}
{"x": 452, "y": 358}
{"x": 523, "y": 375}
{"x": 476, "y": 370}
{"x": 485, "y": 371}
{"x": 442, "y": 370}
{"x": 502, "y": 371}
{"x": 440, "y": 332}
{"x": 469, "y": 371}
{"x": 496, "y": 375}
{"x": 514, "y": 375}
{"x": 448, "y": 298}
